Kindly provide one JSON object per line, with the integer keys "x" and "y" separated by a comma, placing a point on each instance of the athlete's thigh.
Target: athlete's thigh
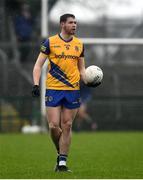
{"x": 53, "y": 98}
{"x": 54, "y": 115}
{"x": 72, "y": 99}
{"x": 68, "y": 115}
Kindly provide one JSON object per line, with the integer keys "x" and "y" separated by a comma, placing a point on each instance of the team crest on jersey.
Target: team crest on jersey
{"x": 67, "y": 46}
{"x": 77, "y": 48}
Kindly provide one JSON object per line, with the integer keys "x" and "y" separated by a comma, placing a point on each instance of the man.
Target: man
{"x": 66, "y": 67}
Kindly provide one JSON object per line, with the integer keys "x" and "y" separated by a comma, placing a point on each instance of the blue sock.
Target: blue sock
{"x": 62, "y": 159}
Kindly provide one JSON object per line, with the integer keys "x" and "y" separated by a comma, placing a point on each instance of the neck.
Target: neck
{"x": 65, "y": 36}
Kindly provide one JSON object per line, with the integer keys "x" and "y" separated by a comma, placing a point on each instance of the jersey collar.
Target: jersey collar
{"x": 64, "y": 39}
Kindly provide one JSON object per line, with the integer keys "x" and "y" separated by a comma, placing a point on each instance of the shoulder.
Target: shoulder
{"x": 77, "y": 40}
{"x": 53, "y": 38}
{"x": 80, "y": 45}
{"x": 49, "y": 40}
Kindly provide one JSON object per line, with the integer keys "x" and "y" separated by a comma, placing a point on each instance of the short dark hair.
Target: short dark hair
{"x": 64, "y": 17}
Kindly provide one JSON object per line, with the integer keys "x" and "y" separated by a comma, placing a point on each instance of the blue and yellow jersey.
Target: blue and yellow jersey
{"x": 63, "y": 73}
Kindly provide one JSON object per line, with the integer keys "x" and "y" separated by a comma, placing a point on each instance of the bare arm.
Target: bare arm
{"x": 81, "y": 67}
{"x": 38, "y": 67}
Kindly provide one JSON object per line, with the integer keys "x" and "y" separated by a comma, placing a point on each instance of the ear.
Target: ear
{"x": 62, "y": 24}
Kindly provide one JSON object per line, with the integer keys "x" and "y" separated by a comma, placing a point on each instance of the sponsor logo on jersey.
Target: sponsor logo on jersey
{"x": 65, "y": 57}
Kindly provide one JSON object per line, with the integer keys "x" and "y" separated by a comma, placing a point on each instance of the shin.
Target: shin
{"x": 53, "y": 114}
{"x": 66, "y": 126}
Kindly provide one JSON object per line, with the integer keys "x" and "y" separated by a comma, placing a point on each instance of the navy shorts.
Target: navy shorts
{"x": 67, "y": 98}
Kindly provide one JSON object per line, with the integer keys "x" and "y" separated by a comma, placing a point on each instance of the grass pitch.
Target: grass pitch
{"x": 92, "y": 155}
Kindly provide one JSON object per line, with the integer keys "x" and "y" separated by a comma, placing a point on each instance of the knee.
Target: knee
{"x": 67, "y": 126}
{"x": 53, "y": 126}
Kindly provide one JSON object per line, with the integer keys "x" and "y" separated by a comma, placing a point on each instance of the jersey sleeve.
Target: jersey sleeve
{"x": 82, "y": 53}
{"x": 45, "y": 47}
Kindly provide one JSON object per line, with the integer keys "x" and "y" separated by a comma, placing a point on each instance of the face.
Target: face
{"x": 69, "y": 26}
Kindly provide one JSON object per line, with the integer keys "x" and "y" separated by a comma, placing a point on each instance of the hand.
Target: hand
{"x": 35, "y": 91}
{"x": 93, "y": 84}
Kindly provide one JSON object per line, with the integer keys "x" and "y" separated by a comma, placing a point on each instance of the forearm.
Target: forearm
{"x": 36, "y": 74}
{"x": 82, "y": 76}
{"x": 81, "y": 67}
{"x": 38, "y": 68}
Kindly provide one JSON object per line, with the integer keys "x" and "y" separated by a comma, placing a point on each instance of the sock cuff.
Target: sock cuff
{"x": 63, "y": 155}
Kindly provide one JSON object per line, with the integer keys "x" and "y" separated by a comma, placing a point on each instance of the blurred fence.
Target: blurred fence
{"x": 17, "y": 107}
{"x": 117, "y": 113}
{"x": 17, "y": 111}
{"x": 116, "y": 105}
